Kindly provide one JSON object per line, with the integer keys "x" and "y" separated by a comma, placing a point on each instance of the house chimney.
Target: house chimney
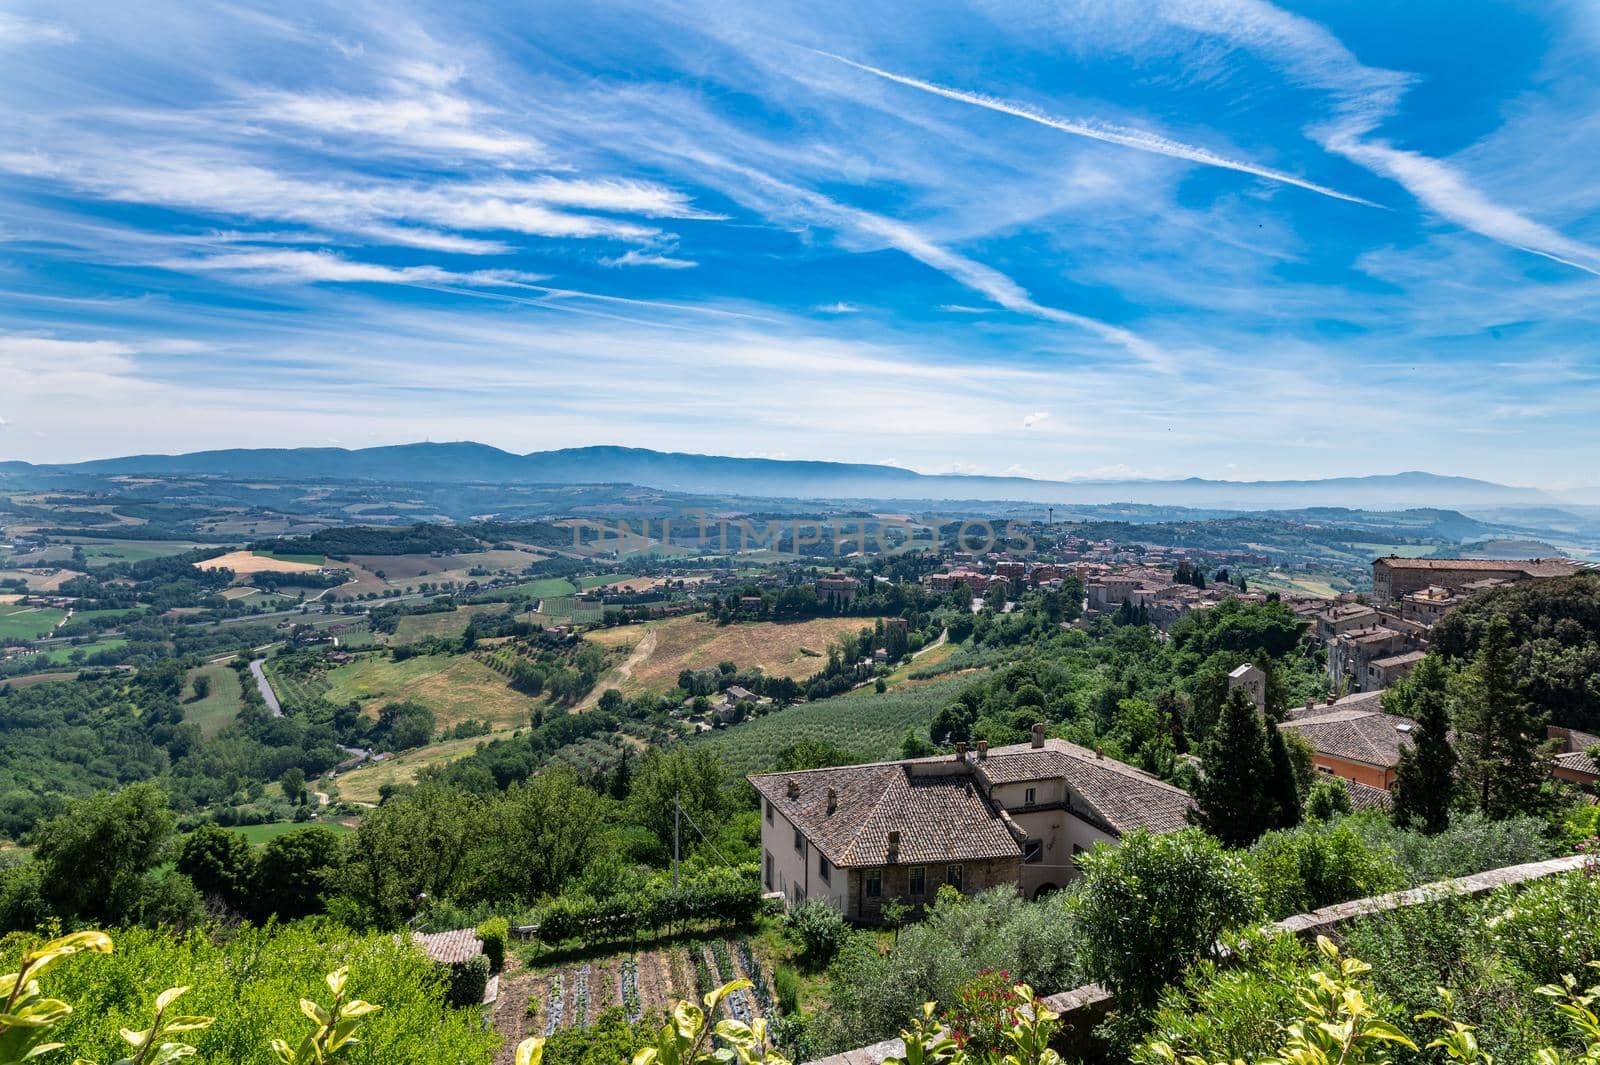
{"x": 1311, "y": 702}
{"x": 983, "y": 749}
{"x": 794, "y": 788}
{"x": 961, "y": 751}
{"x": 1038, "y": 735}
{"x": 833, "y": 800}
{"x": 1332, "y": 698}
{"x": 894, "y": 844}
{"x": 1099, "y": 751}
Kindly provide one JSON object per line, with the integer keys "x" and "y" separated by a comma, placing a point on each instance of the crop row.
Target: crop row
{"x": 558, "y": 1006}
{"x": 580, "y": 999}
{"x": 632, "y": 1004}
{"x": 738, "y": 1001}
{"x": 758, "y": 980}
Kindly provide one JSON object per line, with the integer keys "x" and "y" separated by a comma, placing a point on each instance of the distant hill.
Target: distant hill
{"x": 468, "y": 463}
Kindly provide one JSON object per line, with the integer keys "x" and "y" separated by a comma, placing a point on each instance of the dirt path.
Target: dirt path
{"x": 636, "y": 658}
{"x": 511, "y": 1018}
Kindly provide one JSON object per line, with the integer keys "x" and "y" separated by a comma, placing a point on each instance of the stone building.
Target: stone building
{"x": 861, "y": 835}
{"x": 1395, "y": 578}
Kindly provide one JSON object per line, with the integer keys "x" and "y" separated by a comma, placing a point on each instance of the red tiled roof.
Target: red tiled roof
{"x": 449, "y": 948}
{"x": 1355, "y": 733}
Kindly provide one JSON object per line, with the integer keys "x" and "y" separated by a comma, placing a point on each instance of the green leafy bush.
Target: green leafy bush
{"x": 468, "y": 980}
{"x": 819, "y": 928}
{"x": 1306, "y": 868}
{"x": 253, "y": 985}
{"x": 1152, "y": 905}
{"x": 494, "y": 932}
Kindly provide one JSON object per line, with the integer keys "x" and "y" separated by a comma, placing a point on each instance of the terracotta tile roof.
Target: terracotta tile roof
{"x": 940, "y": 818}
{"x": 449, "y": 948}
{"x": 1578, "y": 762}
{"x": 1121, "y": 797}
{"x": 1354, "y": 733}
{"x": 1365, "y": 796}
{"x": 1372, "y": 700}
{"x": 1532, "y": 567}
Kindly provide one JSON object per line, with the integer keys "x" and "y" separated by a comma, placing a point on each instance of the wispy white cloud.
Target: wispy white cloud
{"x": 1363, "y": 99}
{"x": 277, "y": 264}
{"x": 432, "y": 121}
{"x": 1141, "y": 140}
{"x": 635, "y": 257}
{"x": 1030, "y": 420}
{"x": 841, "y": 307}
{"x": 398, "y": 211}
{"x": 17, "y": 30}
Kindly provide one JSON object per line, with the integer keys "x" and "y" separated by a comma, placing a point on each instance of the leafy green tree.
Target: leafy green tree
{"x": 1425, "y": 780}
{"x": 409, "y": 851}
{"x": 96, "y": 856}
{"x": 1501, "y": 734}
{"x": 1327, "y": 799}
{"x": 1153, "y": 904}
{"x": 220, "y": 863}
{"x": 295, "y": 871}
{"x": 542, "y": 831}
{"x": 1234, "y": 797}
{"x": 692, "y": 776}
{"x": 293, "y": 782}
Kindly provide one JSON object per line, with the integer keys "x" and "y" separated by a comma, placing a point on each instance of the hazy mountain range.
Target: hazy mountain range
{"x": 467, "y": 463}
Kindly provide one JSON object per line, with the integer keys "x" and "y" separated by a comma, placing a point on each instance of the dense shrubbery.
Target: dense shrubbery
{"x": 253, "y": 984}
{"x": 872, "y": 993}
{"x": 1493, "y": 954}
{"x": 715, "y": 896}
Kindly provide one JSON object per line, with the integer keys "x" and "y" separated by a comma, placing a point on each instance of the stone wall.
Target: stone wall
{"x": 1083, "y": 1008}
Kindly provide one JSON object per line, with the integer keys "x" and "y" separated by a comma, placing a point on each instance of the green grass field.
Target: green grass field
{"x": 221, "y": 706}
{"x": 868, "y": 725}
{"x": 62, "y": 656}
{"x": 259, "y": 834}
{"x": 106, "y": 552}
{"x": 27, "y": 622}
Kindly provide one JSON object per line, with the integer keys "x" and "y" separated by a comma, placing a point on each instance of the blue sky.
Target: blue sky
{"x": 1218, "y": 238}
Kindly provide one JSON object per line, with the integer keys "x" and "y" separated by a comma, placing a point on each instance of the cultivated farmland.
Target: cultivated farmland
{"x": 692, "y": 642}
{"x": 545, "y": 1000}
{"x": 867, "y": 724}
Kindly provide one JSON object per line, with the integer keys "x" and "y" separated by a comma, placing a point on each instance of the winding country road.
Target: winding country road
{"x": 264, "y": 686}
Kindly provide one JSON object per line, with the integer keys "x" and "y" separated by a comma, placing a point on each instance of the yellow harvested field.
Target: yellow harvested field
{"x": 250, "y": 562}
{"x": 692, "y": 642}
{"x": 14, "y": 597}
{"x": 456, "y": 688}
{"x": 45, "y": 580}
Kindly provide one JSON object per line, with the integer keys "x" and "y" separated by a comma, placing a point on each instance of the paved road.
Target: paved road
{"x": 265, "y": 687}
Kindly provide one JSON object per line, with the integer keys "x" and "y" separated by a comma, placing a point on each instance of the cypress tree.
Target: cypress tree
{"x": 1425, "y": 781}
{"x": 1283, "y": 790}
{"x": 1236, "y": 771}
{"x": 1501, "y": 733}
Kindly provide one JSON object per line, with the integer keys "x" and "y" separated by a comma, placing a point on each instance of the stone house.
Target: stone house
{"x": 859, "y": 836}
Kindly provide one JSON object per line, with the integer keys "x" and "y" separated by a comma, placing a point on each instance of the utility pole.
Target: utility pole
{"x": 677, "y": 812}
